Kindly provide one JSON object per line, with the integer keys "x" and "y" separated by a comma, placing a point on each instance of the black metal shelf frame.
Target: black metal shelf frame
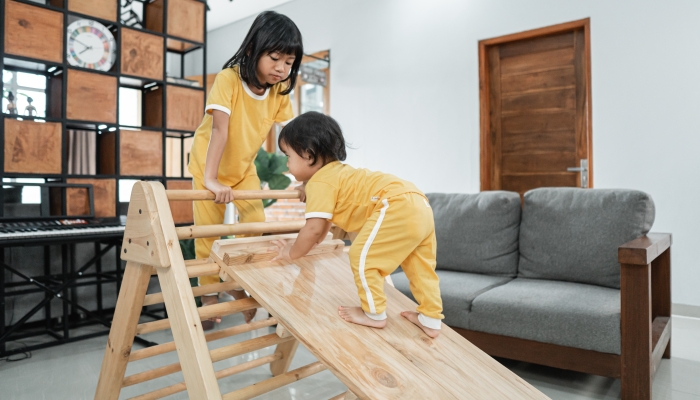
{"x": 60, "y": 286}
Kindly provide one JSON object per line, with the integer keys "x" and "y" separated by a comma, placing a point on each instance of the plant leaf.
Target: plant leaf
{"x": 279, "y": 182}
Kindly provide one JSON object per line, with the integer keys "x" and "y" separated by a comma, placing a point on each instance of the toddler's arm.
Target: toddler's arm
{"x": 309, "y": 236}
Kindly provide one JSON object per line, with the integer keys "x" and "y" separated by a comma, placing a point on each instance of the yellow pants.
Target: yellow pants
{"x": 400, "y": 231}
{"x": 208, "y": 213}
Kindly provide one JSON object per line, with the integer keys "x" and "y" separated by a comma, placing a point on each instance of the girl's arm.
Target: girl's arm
{"x": 217, "y": 143}
{"x": 309, "y": 236}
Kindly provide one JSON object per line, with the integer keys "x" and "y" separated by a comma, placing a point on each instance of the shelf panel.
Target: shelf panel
{"x": 186, "y": 19}
{"x": 105, "y": 9}
{"x": 140, "y": 153}
{"x": 91, "y": 97}
{"x": 32, "y": 147}
{"x": 181, "y": 210}
{"x": 33, "y": 32}
{"x": 142, "y": 54}
{"x": 105, "y": 192}
{"x": 185, "y": 108}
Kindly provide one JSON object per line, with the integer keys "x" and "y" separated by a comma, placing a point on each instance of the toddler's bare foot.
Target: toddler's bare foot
{"x": 413, "y": 317}
{"x": 239, "y": 295}
{"x": 208, "y": 301}
{"x": 357, "y": 316}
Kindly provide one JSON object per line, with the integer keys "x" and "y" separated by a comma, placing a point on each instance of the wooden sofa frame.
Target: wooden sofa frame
{"x": 645, "y": 300}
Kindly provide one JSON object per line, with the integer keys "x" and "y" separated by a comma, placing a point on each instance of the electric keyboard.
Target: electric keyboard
{"x": 36, "y": 231}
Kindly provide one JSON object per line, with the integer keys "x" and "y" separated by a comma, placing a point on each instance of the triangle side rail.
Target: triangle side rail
{"x": 190, "y": 195}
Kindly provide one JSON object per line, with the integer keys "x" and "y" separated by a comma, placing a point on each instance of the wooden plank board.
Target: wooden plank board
{"x": 538, "y": 142}
{"x": 140, "y": 153}
{"x": 399, "y": 361}
{"x": 545, "y": 122}
{"x": 534, "y": 62}
{"x": 105, "y": 196}
{"x": 537, "y": 162}
{"x": 537, "y": 44}
{"x": 547, "y": 100}
{"x": 563, "y": 77}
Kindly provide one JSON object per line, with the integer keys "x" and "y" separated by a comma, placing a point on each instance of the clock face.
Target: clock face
{"x": 91, "y": 45}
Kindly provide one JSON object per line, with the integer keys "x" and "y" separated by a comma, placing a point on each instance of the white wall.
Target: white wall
{"x": 404, "y": 78}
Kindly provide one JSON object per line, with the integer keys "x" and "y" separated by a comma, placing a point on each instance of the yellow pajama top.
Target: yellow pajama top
{"x": 251, "y": 117}
{"x": 347, "y": 196}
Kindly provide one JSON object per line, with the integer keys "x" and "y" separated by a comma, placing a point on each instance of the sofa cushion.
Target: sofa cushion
{"x": 573, "y": 234}
{"x": 457, "y": 289}
{"x": 477, "y": 232}
{"x": 563, "y": 313}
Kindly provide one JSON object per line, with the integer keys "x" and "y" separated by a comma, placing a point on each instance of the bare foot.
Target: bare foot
{"x": 239, "y": 295}
{"x": 413, "y": 317}
{"x": 211, "y": 300}
{"x": 357, "y": 316}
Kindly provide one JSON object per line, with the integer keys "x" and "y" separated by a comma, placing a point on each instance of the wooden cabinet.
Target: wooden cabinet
{"x": 141, "y": 54}
{"x": 105, "y": 200}
{"x": 140, "y": 153}
{"x": 91, "y": 97}
{"x": 33, "y": 32}
{"x": 32, "y": 147}
{"x": 185, "y": 108}
{"x": 186, "y": 19}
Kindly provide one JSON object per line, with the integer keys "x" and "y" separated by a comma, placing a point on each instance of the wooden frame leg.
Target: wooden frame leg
{"x": 636, "y": 313}
{"x": 123, "y": 330}
{"x": 661, "y": 290}
{"x": 287, "y": 350}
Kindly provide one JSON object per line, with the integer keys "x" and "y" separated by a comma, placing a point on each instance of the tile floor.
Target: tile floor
{"x": 70, "y": 372}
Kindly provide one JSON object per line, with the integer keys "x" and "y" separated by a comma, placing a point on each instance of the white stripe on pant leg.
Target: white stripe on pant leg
{"x": 426, "y": 321}
{"x": 363, "y": 257}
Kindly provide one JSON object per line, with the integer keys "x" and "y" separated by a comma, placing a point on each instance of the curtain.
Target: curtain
{"x": 81, "y": 152}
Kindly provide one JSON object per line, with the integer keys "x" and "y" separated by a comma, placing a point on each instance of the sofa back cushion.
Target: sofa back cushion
{"x": 477, "y": 232}
{"x": 572, "y": 234}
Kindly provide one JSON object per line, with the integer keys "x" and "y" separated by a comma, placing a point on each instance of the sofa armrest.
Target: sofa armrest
{"x": 644, "y": 249}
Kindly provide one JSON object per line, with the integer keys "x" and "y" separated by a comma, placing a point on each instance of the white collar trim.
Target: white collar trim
{"x": 250, "y": 92}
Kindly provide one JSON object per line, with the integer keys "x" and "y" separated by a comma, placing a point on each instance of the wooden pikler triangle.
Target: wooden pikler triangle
{"x": 396, "y": 362}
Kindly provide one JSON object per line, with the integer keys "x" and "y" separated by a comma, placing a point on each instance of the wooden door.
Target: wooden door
{"x": 535, "y": 109}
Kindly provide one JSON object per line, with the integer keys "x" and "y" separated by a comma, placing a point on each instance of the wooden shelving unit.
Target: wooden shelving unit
{"x": 34, "y": 38}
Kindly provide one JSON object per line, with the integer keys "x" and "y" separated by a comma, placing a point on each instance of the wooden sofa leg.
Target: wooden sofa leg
{"x": 635, "y": 298}
{"x": 661, "y": 290}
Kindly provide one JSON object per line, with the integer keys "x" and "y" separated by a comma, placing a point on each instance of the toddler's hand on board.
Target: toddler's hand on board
{"x": 281, "y": 247}
{"x": 223, "y": 194}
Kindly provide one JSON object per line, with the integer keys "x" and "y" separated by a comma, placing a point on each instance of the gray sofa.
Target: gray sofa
{"x": 540, "y": 281}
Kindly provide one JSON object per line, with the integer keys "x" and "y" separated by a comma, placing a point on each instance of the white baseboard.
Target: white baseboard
{"x": 685, "y": 310}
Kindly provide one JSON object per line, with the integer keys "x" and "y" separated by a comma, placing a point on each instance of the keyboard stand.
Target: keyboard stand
{"x": 62, "y": 286}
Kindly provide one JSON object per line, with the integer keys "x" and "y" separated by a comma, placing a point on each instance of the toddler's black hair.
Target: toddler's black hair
{"x": 317, "y": 134}
{"x": 271, "y": 32}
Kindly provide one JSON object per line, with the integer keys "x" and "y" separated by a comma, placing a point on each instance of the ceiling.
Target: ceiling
{"x": 224, "y": 12}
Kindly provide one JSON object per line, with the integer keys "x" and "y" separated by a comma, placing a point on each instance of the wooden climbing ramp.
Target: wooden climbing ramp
{"x": 397, "y": 362}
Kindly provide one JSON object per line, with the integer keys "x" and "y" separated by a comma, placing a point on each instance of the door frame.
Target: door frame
{"x": 486, "y": 149}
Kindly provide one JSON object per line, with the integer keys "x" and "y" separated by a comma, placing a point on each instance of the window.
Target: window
{"x": 26, "y": 88}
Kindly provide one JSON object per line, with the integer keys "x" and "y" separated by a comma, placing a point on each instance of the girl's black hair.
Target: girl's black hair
{"x": 317, "y": 134}
{"x": 271, "y": 32}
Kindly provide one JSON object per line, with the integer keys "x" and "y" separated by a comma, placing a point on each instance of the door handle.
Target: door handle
{"x": 583, "y": 169}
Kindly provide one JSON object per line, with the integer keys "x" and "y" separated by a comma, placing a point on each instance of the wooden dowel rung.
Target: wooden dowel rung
{"x": 199, "y": 269}
{"x": 197, "y": 261}
{"x": 185, "y": 195}
{"x": 222, "y": 353}
{"x": 236, "y": 349}
{"x": 278, "y": 381}
{"x": 236, "y": 369}
{"x": 209, "y": 337}
{"x": 156, "y": 298}
{"x": 204, "y": 231}
{"x": 205, "y": 312}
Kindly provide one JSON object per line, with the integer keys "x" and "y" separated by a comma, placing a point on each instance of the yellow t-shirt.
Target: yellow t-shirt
{"x": 250, "y": 119}
{"x": 347, "y": 196}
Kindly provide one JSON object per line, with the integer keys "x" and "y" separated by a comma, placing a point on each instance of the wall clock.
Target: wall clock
{"x": 91, "y": 45}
